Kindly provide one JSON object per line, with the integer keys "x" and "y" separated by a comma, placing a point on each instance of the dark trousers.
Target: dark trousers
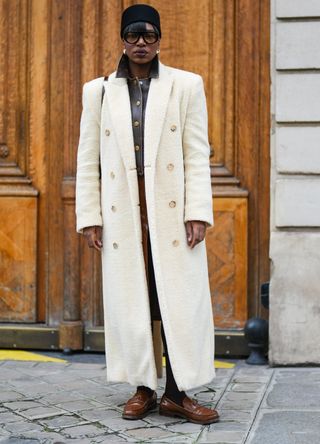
{"x": 171, "y": 387}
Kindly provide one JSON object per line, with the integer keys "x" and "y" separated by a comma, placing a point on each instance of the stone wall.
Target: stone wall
{"x": 295, "y": 183}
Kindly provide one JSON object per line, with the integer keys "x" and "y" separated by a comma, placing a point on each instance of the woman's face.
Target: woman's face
{"x": 142, "y": 52}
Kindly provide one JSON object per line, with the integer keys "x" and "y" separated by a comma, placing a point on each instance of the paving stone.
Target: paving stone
{"x": 9, "y": 374}
{"x": 43, "y": 437}
{"x": 119, "y": 399}
{"x": 34, "y": 389}
{"x": 53, "y": 365}
{"x": 222, "y": 437}
{"x": 86, "y": 366}
{"x": 108, "y": 438}
{"x": 13, "y": 440}
{"x": 232, "y": 426}
{"x": 59, "y": 422}
{"x": 185, "y": 427}
{"x": 42, "y": 412}
{"x": 3, "y": 433}
{"x": 292, "y": 395}
{"x": 241, "y": 396}
{"x": 208, "y": 395}
{"x": 19, "y": 406}
{"x": 246, "y": 387}
{"x": 149, "y": 433}
{"x": 76, "y": 406}
{"x": 10, "y": 396}
{"x": 101, "y": 394}
{"x": 9, "y": 417}
{"x": 99, "y": 414}
{"x": 293, "y": 376}
{"x": 235, "y": 415}
{"x": 57, "y": 377}
{"x": 22, "y": 364}
{"x": 78, "y": 386}
{"x": 286, "y": 427}
{"x": 155, "y": 418}
{"x": 86, "y": 431}
{"x": 22, "y": 426}
{"x": 61, "y": 396}
{"x": 251, "y": 378}
{"x": 117, "y": 423}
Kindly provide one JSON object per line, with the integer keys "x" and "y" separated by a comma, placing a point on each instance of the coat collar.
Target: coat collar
{"x": 123, "y": 67}
{"x": 118, "y": 102}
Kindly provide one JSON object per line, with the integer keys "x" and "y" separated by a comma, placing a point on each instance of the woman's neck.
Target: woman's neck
{"x": 140, "y": 71}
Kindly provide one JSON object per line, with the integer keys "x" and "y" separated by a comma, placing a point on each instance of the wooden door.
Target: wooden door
{"x": 49, "y": 48}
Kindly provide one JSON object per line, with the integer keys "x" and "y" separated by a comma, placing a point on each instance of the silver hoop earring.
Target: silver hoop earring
{"x": 124, "y": 51}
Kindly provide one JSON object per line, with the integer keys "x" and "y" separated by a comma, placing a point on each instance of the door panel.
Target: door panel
{"x": 57, "y": 45}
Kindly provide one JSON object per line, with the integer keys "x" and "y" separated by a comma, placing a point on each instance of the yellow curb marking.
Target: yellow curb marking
{"x": 217, "y": 364}
{"x": 21, "y": 355}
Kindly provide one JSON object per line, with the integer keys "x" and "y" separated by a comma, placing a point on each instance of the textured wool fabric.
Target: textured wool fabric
{"x": 176, "y": 169}
{"x": 140, "y": 13}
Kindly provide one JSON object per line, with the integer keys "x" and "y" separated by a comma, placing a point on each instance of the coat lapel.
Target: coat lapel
{"x": 117, "y": 96}
{"x": 118, "y": 102}
{"x": 156, "y": 109}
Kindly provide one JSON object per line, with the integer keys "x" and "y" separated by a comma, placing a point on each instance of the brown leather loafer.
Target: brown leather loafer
{"x": 139, "y": 405}
{"x": 190, "y": 410}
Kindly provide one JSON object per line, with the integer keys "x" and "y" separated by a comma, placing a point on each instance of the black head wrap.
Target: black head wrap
{"x": 140, "y": 13}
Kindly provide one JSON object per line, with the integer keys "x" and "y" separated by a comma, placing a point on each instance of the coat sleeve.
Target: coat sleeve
{"x": 88, "y": 206}
{"x": 196, "y": 152}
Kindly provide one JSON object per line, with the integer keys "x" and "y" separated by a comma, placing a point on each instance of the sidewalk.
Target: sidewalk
{"x": 53, "y": 402}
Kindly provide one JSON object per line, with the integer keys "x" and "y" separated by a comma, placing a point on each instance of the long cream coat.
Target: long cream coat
{"x": 176, "y": 170}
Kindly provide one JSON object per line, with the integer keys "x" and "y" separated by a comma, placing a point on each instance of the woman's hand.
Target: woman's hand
{"x": 196, "y": 231}
{"x": 94, "y": 237}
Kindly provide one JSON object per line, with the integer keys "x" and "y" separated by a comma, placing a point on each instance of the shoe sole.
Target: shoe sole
{"x": 181, "y": 415}
{"x": 142, "y": 415}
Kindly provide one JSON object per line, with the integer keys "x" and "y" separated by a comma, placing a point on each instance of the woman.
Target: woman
{"x": 144, "y": 130}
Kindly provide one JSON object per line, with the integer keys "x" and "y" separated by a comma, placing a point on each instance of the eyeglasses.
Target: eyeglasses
{"x": 149, "y": 37}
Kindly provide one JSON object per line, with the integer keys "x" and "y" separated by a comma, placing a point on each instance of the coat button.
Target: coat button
{"x": 172, "y": 204}
{"x": 170, "y": 166}
{"x": 138, "y": 103}
{"x": 173, "y": 127}
{"x": 107, "y": 132}
{"x": 136, "y": 123}
{"x": 113, "y": 208}
{"x": 112, "y": 175}
{"x": 175, "y": 243}
{"x": 115, "y": 245}
{"x": 137, "y": 147}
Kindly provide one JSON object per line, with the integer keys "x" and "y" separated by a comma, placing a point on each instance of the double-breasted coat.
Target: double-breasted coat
{"x": 178, "y": 189}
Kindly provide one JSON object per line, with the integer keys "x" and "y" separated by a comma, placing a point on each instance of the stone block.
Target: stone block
{"x": 41, "y": 412}
{"x": 298, "y": 97}
{"x": 76, "y": 406}
{"x": 297, "y": 45}
{"x": 145, "y": 434}
{"x": 297, "y": 202}
{"x": 246, "y": 387}
{"x": 294, "y": 389}
{"x": 297, "y": 8}
{"x": 21, "y": 427}
{"x": 286, "y": 427}
{"x": 298, "y": 149}
{"x": 86, "y": 431}
{"x": 294, "y": 329}
{"x": 10, "y": 396}
{"x": 221, "y": 437}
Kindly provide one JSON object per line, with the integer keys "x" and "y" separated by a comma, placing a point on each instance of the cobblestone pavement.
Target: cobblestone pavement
{"x": 72, "y": 403}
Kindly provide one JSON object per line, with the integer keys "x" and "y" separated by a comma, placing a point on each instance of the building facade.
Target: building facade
{"x": 295, "y": 183}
